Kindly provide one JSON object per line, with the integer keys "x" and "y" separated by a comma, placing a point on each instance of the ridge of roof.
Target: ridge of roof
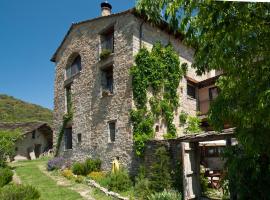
{"x": 26, "y": 127}
{"x": 163, "y": 25}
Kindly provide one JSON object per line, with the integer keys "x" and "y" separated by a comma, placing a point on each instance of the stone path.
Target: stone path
{"x": 83, "y": 190}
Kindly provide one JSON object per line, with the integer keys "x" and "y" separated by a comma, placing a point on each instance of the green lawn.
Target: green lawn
{"x": 30, "y": 174}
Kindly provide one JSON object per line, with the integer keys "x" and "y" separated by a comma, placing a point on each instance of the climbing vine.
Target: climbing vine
{"x": 157, "y": 73}
{"x": 66, "y": 119}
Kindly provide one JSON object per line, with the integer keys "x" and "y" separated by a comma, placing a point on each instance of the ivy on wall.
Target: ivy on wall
{"x": 157, "y": 72}
{"x": 66, "y": 119}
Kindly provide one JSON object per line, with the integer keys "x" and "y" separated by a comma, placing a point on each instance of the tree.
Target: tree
{"x": 7, "y": 144}
{"x": 233, "y": 37}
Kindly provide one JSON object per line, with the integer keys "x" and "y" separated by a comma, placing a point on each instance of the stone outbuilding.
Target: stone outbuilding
{"x": 36, "y": 139}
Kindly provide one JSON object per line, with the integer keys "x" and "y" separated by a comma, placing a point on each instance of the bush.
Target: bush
{"x": 97, "y": 176}
{"x": 119, "y": 181}
{"x": 78, "y": 168}
{"x": 5, "y": 176}
{"x": 92, "y": 165}
{"x": 19, "y": 192}
{"x": 79, "y": 179}
{"x": 142, "y": 188}
{"x": 160, "y": 171}
{"x": 142, "y": 185}
{"x": 87, "y": 167}
{"x": 58, "y": 163}
{"x": 166, "y": 195}
{"x": 67, "y": 173}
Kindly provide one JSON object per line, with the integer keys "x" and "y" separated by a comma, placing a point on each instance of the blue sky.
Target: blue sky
{"x": 30, "y": 32}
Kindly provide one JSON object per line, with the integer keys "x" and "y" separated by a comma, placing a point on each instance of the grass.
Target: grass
{"x": 97, "y": 194}
{"x": 30, "y": 174}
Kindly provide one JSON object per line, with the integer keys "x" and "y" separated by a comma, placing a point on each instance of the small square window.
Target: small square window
{"x": 107, "y": 80}
{"x": 191, "y": 91}
{"x": 112, "y": 131}
{"x": 79, "y": 136}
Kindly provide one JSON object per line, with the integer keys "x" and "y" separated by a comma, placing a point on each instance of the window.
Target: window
{"x": 112, "y": 131}
{"x": 68, "y": 138}
{"x": 107, "y": 80}
{"x": 33, "y": 134}
{"x": 68, "y": 99}
{"x": 107, "y": 40}
{"x": 213, "y": 93}
{"x": 191, "y": 91}
{"x": 157, "y": 128}
{"x": 74, "y": 68}
{"x": 79, "y": 136}
{"x": 214, "y": 151}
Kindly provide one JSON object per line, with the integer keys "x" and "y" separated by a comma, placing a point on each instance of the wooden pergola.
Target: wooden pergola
{"x": 191, "y": 158}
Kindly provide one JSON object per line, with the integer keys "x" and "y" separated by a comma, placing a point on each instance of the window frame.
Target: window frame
{"x": 107, "y": 84}
{"x": 74, "y": 67}
{"x": 68, "y": 98}
{"x": 68, "y": 143}
{"x": 190, "y": 85}
{"x": 110, "y": 138}
{"x": 107, "y": 37}
{"x": 34, "y": 135}
{"x": 79, "y": 138}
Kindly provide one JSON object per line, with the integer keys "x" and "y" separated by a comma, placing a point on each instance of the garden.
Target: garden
{"x": 157, "y": 182}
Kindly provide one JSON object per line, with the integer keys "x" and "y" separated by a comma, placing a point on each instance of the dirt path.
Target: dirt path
{"x": 83, "y": 190}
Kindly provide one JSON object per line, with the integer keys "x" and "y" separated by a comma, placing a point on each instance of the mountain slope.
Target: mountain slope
{"x": 15, "y": 110}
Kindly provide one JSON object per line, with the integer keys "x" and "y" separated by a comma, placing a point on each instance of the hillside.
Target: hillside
{"x": 15, "y": 110}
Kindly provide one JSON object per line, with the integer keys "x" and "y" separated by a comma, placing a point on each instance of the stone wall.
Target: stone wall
{"x": 92, "y": 111}
{"x": 173, "y": 147}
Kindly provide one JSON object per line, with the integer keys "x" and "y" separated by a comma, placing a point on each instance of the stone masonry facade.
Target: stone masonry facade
{"x": 91, "y": 110}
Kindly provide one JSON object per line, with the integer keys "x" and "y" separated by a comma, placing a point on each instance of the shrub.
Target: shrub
{"x": 160, "y": 171}
{"x": 142, "y": 188}
{"x": 79, "y": 179}
{"x": 142, "y": 185}
{"x": 67, "y": 173}
{"x": 78, "y": 168}
{"x": 19, "y": 192}
{"x": 5, "y": 176}
{"x": 166, "y": 195}
{"x": 97, "y": 176}
{"x": 119, "y": 181}
{"x": 105, "y": 54}
{"x": 91, "y": 165}
{"x": 58, "y": 163}
{"x": 87, "y": 167}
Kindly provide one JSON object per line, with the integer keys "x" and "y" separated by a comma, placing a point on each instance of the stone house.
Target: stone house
{"x": 100, "y": 90}
{"x": 37, "y": 138}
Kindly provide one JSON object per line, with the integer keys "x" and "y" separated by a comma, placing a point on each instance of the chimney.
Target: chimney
{"x": 106, "y": 8}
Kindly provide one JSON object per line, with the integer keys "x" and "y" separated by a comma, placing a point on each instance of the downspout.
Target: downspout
{"x": 141, "y": 34}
